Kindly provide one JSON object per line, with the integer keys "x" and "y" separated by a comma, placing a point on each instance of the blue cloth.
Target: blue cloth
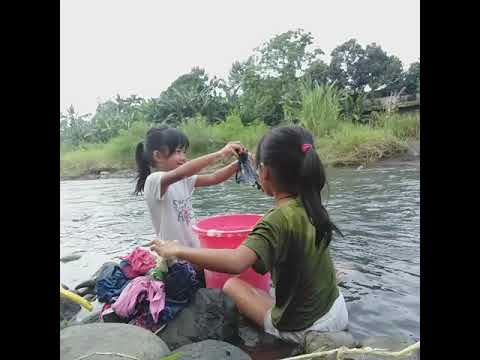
{"x": 181, "y": 284}
{"x": 110, "y": 283}
{"x": 172, "y": 308}
{"x": 181, "y": 281}
{"x": 246, "y": 173}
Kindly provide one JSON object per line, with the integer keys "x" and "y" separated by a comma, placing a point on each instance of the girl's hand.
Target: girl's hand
{"x": 233, "y": 147}
{"x": 165, "y": 249}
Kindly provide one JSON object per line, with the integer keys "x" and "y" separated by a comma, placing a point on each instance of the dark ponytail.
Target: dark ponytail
{"x": 143, "y": 168}
{"x": 290, "y": 154}
{"x": 164, "y": 139}
{"x": 312, "y": 181}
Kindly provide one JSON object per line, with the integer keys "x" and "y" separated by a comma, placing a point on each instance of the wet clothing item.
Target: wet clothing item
{"x": 181, "y": 284}
{"x": 172, "y": 309}
{"x": 144, "y": 319}
{"x": 303, "y": 273}
{"x": 108, "y": 315}
{"x": 110, "y": 283}
{"x": 159, "y": 272}
{"x": 201, "y": 279}
{"x": 172, "y": 214}
{"x": 181, "y": 281}
{"x": 246, "y": 173}
{"x": 138, "y": 263}
{"x": 135, "y": 292}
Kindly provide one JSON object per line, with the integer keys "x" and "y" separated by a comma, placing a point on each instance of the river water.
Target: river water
{"x": 377, "y": 209}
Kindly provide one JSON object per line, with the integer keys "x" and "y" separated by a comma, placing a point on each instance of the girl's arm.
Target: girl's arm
{"x": 231, "y": 261}
{"x": 192, "y": 167}
{"x": 218, "y": 176}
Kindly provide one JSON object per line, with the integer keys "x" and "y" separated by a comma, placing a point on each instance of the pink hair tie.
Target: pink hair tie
{"x": 306, "y": 147}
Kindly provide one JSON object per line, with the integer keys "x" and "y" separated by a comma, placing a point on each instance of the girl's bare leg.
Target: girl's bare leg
{"x": 251, "y": 302}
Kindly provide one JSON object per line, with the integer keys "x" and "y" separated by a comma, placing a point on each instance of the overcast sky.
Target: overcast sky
{"x": 141, "y": 46}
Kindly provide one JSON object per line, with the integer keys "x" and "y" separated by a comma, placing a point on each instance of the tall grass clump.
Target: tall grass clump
{"x": 320, "y": 112}
{"x": 356, "y": 144}
{"x": 402, "y": 126}
{"x": 205, "y": 138}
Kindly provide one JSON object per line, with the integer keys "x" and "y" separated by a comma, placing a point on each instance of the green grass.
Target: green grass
{"x": 359, "y": 144}
{"x": 346, "y": 144}
{"x": 117, "y": 154}
{"x": 320, "y": 110}
{"x": 205, "y": 138}
{"x": 402, "y": 126}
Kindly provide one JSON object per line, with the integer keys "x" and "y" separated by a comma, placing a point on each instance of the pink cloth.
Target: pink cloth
{"x": 140, "y": 262}
{"x": 135, "y": 292}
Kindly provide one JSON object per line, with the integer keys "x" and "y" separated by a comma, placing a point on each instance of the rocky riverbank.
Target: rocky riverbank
{"x": 410, "y": 157}
{"x": 210, "y": 327}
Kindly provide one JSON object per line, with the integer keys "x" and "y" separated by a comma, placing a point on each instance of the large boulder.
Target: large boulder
{"x": 80, "y": 340}
{"x": 211, "y": 349}
{"x": 210, "y": 315}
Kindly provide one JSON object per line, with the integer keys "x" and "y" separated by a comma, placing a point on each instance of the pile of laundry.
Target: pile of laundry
{"x": 145, "y": 290}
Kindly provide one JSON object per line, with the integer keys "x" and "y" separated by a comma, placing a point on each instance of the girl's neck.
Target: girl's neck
{"x": 158, "y": 167}
{"x": 283, "y": 197}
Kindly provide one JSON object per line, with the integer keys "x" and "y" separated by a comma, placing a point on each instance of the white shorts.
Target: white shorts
{"x": 336, "y": 319}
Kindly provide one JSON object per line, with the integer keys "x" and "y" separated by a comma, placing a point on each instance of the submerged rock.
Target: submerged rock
{"x": 211, "y": 315}
{"x": 81, "y": 340}
{"x": 69, "y": 258}
{"x": 211, "y": 349}
{"x": 92, "y": 318}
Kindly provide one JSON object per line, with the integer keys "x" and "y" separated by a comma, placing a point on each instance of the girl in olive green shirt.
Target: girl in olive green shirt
{"x": 291, "y": 241}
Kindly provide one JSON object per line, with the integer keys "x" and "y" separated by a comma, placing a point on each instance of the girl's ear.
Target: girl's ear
{"x": 158, "y": 155}
{"x": 265, "y": 172}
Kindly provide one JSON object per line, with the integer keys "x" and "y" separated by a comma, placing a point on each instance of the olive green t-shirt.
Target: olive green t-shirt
{"x": 303, "y": 274}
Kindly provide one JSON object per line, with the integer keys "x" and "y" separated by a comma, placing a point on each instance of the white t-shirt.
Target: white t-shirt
{"x": 172, "y": 214}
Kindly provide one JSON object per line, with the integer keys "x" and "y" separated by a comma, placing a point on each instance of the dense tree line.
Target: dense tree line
{"x": 266, "y": 87}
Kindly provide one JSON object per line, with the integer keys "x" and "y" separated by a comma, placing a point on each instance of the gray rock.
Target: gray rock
{"x": 211, "y": 349}
{"x": 69, "y": 258}
{"x": 254, "y": 337}
{"x": 68, "y": 309}
{"x": 80, "y": 340}
{"x": 92, "y": 318}
{"x": 315, "y": 340}
{"x": 88, "y": 286}
{"x": 211, "y": 315}
{"x": 389, "y": 343}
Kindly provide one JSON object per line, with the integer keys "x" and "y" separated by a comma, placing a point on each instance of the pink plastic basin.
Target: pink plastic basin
{"x": 229, "y": 231}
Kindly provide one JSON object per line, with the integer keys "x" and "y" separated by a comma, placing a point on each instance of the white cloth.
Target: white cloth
{"x": 336, "y": 319}
{"x": 172, "y": 214}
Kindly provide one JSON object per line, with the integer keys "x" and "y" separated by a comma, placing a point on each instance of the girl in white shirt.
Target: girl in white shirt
{"x": 168, "y": 180}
